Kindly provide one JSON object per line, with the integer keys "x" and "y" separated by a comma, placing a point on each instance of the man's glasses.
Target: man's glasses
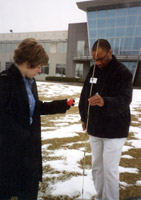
{"x": 101, "y": 59}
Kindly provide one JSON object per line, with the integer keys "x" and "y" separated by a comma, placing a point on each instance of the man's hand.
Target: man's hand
{"x": 83, "y": 126}
{"x": 96, "y": 100}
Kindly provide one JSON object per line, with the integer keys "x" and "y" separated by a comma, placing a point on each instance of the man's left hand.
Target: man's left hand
{"x": 96, "y": 100}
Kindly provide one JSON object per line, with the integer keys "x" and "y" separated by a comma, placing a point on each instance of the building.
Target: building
{"x": 70, "y": 51}
{"x": 54, "y": 42}
{"x": 120, "y": 23}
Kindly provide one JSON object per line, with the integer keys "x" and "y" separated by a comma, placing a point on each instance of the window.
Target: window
{"x": 80, "y": 48}
{"x": 131, "y": 20}
{"x": 79, "y": 70}
{"x": 60, "y": 69}
{"x": 102, "y": 33}
{"x": 47, "y": 47}
{"x": 111, "y": 22}
{"x": 61, "y": 47}
{"x": 129, "y": 31}
{"x": 110, "y": 32}
{"x": 45, "y": 69}
{"x": 122, "y": 12}
{"x": 91, "y": 15}
{"x": 120, "y": 21}
{"x": 3, "y": 48}
{"x": 137, "y": 44}
{"x": 7, "y": 65}
{"x": 92, "y": 24}
{"x": 111, "y": 13}
{"x": 131, "y": 66}
{"x": 120, "y": 32}
{"x": 101, "y": 23}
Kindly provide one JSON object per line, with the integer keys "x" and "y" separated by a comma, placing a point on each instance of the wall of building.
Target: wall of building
{"x": 120, "y": 23}
{"x": 77, "y": 33}
{"x": 54, "y": 42}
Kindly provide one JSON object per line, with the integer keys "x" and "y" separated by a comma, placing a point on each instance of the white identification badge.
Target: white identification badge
{"x": 93, "y": 80}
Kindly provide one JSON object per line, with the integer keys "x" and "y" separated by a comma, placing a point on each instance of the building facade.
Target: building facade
{"x": 120, "y": 23}
{"x": 78, "y": 47}
{"x": 54, "y": 42}
{"x": 70, "y": 51}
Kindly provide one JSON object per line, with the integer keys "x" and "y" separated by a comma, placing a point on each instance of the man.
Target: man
{"x": 20, "y": 125}
{"x": 109, "y": 117}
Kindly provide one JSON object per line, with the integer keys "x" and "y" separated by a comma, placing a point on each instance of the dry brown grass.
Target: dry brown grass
{"x": 131, "y": 191}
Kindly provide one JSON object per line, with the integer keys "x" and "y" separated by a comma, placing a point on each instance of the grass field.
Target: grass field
{"x": 63, "y": 145}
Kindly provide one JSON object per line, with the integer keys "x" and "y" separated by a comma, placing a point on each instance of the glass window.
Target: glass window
{"x": 9, "y": 48}
{"x": 59, "y": 47}
{"x": 60, "y": 70}
{"x": 120, "y": 32}
{"x": 92, "y": 24}
{"x": 117, "y": 46}
{"x": 7, "y": 65}
{"x": 137, "y": 43}
{"x": 92, "y": 41}
{"x": 128, "y": 43}
{"x": 14, "y": 46}
{"x": 120, "y": 21}
{"x": 45, "y": 69}
{"x": 101, "y": 33}
{"x": 93, "y": 33}
{"x": 3, "y": 48}
{"x": 80, "y": 48}
{"x": 133, "y": 11}
{"x": 122, "y": 12}
{"x": 111, "y": 22}
{"x": 91, "y": 15}
{"x": 79, "y": 70}
{"x": 131, "y": 20}
{"x": 129, "y": 31}
{"x": 111, "y": 40}
{"x": 138, "y": 31}
{"x": 110, "y": 32}
{"x": 111, "y": 13}
{"x": 121, "y": 44}
{"x": 47, "y": 47}
{"x": 0, "y": 48}
{"x": 65, "y": 47}
{"x": 130, "y": 65}
{"x": 101, "y": 23}
{"x": 139, "y": 20}
{"x": 101, "y": 14}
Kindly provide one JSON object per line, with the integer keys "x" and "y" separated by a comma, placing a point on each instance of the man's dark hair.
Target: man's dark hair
{"x": 103, "y": 44}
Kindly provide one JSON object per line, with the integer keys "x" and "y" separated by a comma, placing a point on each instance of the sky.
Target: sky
{"x": 39, "y": 15}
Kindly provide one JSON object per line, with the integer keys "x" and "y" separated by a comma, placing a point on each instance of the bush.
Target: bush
{"x": 64, "y": 79}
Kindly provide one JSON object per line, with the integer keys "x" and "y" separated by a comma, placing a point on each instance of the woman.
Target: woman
{"x": 20, "y": 126}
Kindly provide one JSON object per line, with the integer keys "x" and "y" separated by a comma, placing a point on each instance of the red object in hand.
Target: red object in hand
{"x": 70, "y": 102}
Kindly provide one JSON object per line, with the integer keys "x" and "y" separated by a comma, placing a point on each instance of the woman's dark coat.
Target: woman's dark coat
{"x": 20, "y": 142}
{"x": 114, "y": 85}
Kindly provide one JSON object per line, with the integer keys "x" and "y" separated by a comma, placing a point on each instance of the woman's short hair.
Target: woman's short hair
{"x": 29, "y": 50}
{"x": 103, "y": 44}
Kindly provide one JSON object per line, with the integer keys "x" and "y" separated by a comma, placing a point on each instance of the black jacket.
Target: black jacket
{"x": 114, "y": 84}
{"x": 20, "y": 142}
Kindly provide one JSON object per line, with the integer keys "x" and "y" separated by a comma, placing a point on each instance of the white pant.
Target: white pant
{"x": 105, "y": 161}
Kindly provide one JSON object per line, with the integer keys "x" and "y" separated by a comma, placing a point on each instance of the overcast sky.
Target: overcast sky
{"x": 39, "y": 15}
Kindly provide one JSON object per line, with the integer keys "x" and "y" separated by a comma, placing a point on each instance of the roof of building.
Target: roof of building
{"x": 107, "y": 4}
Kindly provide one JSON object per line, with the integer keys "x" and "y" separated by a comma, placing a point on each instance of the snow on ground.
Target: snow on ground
{"x": 72, "y": 187}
